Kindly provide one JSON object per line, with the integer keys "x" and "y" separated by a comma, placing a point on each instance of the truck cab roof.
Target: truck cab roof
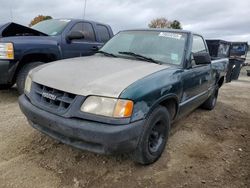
{"x": 163, "y": 30}
{"x": 80, "y": 20}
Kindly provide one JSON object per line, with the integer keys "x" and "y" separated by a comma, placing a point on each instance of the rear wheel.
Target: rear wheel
{"x": 210, "y": 103}
{"x": 22, "y": 74}
{"x": 248, "y": 72}
{"x": 154, "y": 137}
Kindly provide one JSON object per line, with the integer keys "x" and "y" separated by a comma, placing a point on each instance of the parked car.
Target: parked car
{"x": 238, "y": 55}
{"x": 235, "y": 51}
{"x": 125, "y": 98}
{"x": 23, "y": 48}
{"x": 218, "y": 48}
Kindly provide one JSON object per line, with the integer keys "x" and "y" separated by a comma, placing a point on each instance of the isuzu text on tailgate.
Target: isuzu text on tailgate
{"x": 124, "y": 98}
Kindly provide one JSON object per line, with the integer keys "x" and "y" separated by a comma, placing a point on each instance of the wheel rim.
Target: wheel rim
{"x": 156, "y": 137}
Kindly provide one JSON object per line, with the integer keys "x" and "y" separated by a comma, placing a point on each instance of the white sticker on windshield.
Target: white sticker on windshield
{"x": 174, "y": 57}
{"x": 64, "y": 20}
{"x": 170, "y": 35}
{"x": 54, "y": 33}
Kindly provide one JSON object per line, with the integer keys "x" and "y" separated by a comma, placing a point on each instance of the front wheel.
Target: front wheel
{"x": 23, "y": 73}
{"x": 5, "y": 86}
{"x": 154, "y": 137}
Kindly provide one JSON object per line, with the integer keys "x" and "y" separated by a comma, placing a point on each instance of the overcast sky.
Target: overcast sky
{"x": 228, "y": 19}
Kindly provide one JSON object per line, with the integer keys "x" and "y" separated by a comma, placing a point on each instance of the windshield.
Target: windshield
{"x": 51, "y": 27}
{"x": 164, "y": 47}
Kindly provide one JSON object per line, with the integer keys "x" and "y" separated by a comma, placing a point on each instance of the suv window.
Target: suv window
{"x": 86, "y": 29}
{"x": 103, "y": 32}
{"x": 198, "y": 46}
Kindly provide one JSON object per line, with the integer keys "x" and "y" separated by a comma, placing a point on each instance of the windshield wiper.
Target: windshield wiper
{"x": 138, "y": 56}
{"x": 106, "y": 53}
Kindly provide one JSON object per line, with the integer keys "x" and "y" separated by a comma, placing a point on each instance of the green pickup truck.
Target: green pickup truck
{"x": 124, "y": 98}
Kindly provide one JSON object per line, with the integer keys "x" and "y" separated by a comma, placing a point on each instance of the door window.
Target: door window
{"x": 86, "y": 29}
{"x": 198, "y": 44}
{"x": 197, "y": 47}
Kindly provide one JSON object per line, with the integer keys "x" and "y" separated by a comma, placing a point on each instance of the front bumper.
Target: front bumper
{"x": 87, "y": 135}
{"x": 4, "y": 71}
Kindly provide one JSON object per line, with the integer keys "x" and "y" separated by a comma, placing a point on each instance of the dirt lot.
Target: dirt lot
{"x": 206, "y": 149}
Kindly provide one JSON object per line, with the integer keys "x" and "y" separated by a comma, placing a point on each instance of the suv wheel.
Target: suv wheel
{"x": 154, "y": 137}
{"x": 22, "y": 74}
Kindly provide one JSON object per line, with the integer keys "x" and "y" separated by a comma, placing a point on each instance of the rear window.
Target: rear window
{"x": 103, "y": 32}
{"x": 223, "y": 50}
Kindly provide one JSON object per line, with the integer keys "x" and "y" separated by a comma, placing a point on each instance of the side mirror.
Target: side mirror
{"x": 74, "y": 35}
{"x": 202, "y": 58}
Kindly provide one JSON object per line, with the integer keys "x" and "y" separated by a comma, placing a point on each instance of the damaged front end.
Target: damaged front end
{"x": 12, "y": 29}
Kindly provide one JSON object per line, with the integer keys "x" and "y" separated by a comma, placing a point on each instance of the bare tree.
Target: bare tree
{"x": 159, "y": 23}
{"x": 164, "y": 23}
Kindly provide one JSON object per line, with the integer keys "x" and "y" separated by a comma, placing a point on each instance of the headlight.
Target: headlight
{"x": 6, "y": 51}
{"x": 28, "y": 83}
{"x": 117, "y": 108}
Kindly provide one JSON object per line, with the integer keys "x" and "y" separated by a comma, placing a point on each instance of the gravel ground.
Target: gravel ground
{"x": 205, "y": 149}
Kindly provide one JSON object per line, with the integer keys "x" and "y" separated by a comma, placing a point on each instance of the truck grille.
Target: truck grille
{"x": 50, "y": 99}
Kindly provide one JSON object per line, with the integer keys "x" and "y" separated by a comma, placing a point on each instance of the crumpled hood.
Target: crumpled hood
{"x": 94, "y": 75}
{"x": 12, "y": 29}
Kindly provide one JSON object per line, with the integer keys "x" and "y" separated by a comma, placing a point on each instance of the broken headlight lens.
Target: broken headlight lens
{"x": 6, "y": 51}
{"x": 110, "y": 107}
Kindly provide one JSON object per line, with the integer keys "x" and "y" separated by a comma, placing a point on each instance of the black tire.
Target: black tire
{"x": 153, "y": 140}
{"x": 22, "y": 74}
{"x": 210, "y": 103}
{"x": 5, "y": 86}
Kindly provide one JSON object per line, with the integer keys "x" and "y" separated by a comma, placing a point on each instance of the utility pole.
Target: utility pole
{"x": 84, "y": 8}
{"x": 11, "y": 13}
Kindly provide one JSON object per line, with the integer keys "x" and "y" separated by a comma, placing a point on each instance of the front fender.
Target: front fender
{"x": 169, "y": 96}
{"x": 150, "y": 91}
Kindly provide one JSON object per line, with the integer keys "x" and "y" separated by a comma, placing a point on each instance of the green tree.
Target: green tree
{"x": 38, "y": 19}
{"x": 176, "y": 25}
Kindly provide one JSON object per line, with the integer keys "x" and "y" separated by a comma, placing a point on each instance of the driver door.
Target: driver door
{"x": 195, "y": 79}
{"x": 81, "y": 47}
